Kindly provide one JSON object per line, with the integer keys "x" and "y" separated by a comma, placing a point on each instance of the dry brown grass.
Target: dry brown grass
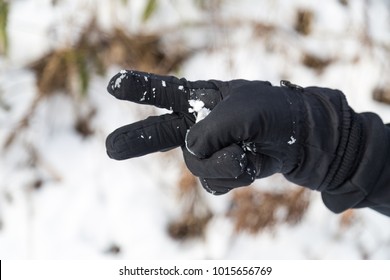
{"x": 253, "y": 210}
{"x": 195, "y": 214}
{"x": 304, "y": 21}
{"x": 382, "y": 94}
{"x": 315, "y": 62}
{"x": 347, "y": 219}
{"x": 69, "y": 69}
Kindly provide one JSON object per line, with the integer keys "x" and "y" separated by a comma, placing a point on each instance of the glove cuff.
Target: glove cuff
{"x": 368, "y": 184}
{"x": 349, "y": 150}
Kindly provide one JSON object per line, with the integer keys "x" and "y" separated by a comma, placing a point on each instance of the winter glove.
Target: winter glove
{"x": 253, "y": 130}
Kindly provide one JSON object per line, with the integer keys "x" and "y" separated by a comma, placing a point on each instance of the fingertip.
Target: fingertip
{"x": 116, "y": 82}
{"x": 213, "y": 188}
{"x": 223, "y": 186}
{"x": 131, "y": 85}
{"x": 110, "y": 85}
{"x": 111, "y": 146}
{"x": 127, "y": 142}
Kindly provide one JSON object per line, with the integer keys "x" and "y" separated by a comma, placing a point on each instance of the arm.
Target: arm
{"x": 358, "y": 168}
{"x": 254, "y": 129}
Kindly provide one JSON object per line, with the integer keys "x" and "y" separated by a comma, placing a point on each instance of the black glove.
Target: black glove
{"x": 254, "y": 130}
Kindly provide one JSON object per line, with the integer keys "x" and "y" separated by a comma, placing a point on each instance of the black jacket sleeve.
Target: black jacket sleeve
{"x": 346, "y": 155}
{"x": 369, "y": 185}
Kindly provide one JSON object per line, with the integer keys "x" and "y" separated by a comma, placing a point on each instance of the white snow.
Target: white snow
{"x": 292, "y": 140}
{"x": 197, "y": 107}
{"x": 143, "y": 96}
{"x": 88, "y": 202}
{"x": 118, "y": 80}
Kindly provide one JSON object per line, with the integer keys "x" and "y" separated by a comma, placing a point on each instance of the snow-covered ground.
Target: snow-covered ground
{"x": 89, "y": 206}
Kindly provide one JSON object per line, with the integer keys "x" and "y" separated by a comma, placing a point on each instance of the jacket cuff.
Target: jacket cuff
{"x": 372, "y": 150}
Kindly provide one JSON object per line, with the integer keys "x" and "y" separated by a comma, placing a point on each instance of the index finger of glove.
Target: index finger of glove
{"x": 166, "y": 92}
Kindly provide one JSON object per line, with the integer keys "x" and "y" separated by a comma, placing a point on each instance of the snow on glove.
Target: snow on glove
{"x": 254, "y": 130}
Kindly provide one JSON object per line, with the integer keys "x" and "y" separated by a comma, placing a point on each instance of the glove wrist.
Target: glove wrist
{"x": 332, "y": 137}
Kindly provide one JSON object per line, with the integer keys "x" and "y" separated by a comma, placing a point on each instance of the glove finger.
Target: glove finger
{"x": 164, "y": 91}
{"x": 230, "y": 162}
{"x": 267, "y": 166}
{"x": 156, "y": 133}
{"x": 218, "y": 186}
{"x": 215, "y": 189}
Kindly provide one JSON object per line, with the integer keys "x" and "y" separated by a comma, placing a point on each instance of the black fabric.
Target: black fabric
{"x": 324, "y": 118}
{"x": 161, "y": 91}
{"x": 369, "y": 185}
{"x": 260, "y": 119}
{"x": 254, "y": 129}
{"x": 156, "y": 133}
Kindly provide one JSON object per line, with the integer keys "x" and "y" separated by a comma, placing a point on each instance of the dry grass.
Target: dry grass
{"x": 304, "y": 22}
{"x": 189, "y": 226}
{"x": 195, "y": 213}
{"x": 315, "y": 62}
{"x": 347, "y": 219}
{"x": 69, "y": 69}
{"x": 4, "y": 11}
{"x": 253, "y": 210}
{"x": 382, "y": 94}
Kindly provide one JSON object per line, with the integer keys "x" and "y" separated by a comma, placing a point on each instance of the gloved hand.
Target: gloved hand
{"x": 253, "y": 130}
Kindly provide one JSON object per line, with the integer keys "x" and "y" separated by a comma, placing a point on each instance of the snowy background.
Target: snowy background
{"x": 62, "y": 197}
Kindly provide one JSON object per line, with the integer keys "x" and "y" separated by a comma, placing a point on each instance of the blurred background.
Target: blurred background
{"x": 62, "y": 197}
